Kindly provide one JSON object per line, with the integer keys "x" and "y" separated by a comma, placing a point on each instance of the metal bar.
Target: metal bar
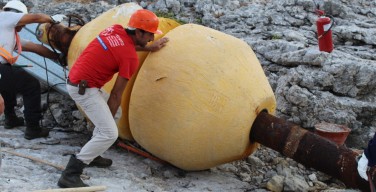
{"x": 29, "y": 30}
{"x": 139, "y": 151}
{"x": 309, "y": 149}
{"x": 45, "y": 68}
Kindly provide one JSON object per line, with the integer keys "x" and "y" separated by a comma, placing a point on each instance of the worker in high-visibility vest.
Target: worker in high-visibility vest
{"x": 15, "y": 80}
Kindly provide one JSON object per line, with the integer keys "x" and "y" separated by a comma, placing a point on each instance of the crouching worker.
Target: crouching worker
{"x": 367, "y": 162}
{"x": 114, "y": 50}
{"x": 15, "y": 80}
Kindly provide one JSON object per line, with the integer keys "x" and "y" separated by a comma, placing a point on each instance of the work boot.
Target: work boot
{"x": 12, "y": 121}
{"x": 70, "y": 178}
{"x": 100, "y": 162}
{"x": 35, "y": 131}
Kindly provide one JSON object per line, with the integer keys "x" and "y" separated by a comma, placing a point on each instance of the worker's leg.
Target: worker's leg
{"x": 9, "y": 75}
{"x": 105, "y": 132}
{"x": 29, "y": 87}
{"x": 7, "y": 89}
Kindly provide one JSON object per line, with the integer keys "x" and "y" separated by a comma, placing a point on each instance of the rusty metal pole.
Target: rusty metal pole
{"x": 308, "y": 149}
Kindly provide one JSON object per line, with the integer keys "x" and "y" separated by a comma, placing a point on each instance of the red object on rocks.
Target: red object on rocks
{"x": 324, "y": 33}
{"x": 333, "y": 132}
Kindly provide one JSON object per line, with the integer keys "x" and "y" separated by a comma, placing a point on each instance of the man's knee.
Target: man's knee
{"x": 107, "y": 133}
{"x": 114, "y": 135}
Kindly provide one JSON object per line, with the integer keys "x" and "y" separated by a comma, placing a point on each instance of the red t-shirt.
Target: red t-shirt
{"x": 110, "y": 52}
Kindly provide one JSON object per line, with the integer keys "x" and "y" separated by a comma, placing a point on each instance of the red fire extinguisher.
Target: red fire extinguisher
{"x": 324, "y": 31}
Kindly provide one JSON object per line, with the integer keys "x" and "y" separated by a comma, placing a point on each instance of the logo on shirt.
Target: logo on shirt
{"x": 107, "y": 31}
{"x": 112, "y": 38}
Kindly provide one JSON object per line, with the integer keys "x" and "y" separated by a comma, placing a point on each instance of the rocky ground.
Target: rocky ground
{"x": 310, "y": 87}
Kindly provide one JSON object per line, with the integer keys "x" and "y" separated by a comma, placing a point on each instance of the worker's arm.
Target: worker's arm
{"x": 34, "y": 18}
{"x": 155, "y": 46}
{"x": 40, "y": 50}
{"x": 1, "y": 105}
{"x": 39, "y": 18}
{"x": 116, "y": 94}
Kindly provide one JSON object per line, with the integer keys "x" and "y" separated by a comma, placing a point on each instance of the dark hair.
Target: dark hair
{"x": 130, "y": 32}
{"x": 133, "y": 32}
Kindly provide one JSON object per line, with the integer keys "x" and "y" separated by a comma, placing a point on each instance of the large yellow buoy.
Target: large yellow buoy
{"x": 193, "y": 102}
{"x": 117, "y": 15}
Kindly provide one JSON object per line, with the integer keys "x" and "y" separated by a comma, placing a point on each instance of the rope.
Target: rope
{"x": 58, "y": 167}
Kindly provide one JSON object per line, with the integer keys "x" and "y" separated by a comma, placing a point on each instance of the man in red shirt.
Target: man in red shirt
{"x": 112, "y": 51}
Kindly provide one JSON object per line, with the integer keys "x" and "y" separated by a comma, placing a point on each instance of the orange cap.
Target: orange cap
{"x": 145, "y": 20}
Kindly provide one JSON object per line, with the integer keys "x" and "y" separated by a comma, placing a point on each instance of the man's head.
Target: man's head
{"x": 145, "y": 25}
{"x": 15, "y": 6}
{"x": 145, "y": 20}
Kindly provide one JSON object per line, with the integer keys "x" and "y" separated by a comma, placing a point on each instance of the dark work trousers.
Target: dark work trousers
{"x": 15, "y": 80}
{"x": 370, "y": 151}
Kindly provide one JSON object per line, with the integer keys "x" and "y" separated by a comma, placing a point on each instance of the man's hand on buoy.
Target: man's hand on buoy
{"x": 158, "y": 44}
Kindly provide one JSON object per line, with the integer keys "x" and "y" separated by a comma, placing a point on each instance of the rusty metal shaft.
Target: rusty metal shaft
{"x": 308, "y": 149}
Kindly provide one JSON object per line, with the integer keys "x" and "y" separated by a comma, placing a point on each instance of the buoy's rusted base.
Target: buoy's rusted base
{"x": 308, "y": 149}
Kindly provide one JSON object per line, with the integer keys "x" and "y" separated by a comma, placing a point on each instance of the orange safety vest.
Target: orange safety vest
{"x": 8, "y": 56}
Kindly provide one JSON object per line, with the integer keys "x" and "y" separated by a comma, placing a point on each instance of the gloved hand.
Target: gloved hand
{"x": 363, "y": 166}
{"x": 58, "y": 18}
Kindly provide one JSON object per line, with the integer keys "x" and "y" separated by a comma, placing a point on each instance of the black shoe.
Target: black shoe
{"x": 36, "y": 132}
{"x": 70, "y": 178}
{"x": 13, "y": 121}
{"x": 100, "y": 162}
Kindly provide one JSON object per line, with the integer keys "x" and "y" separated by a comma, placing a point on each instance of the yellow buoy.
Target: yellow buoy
{"x": 193, "y": 102}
